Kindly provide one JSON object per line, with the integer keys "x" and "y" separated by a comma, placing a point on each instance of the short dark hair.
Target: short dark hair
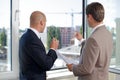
{"x": 96, "y": 10}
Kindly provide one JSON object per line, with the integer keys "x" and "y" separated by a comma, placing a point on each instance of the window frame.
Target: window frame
{"x": 13, "y": 74}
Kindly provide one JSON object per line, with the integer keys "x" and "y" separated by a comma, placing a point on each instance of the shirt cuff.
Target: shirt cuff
{"x": 53, "y": 49}
{"x": 81, "y": 41}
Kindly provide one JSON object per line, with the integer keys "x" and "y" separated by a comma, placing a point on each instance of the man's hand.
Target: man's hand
{"x": 78, "y": 35}
{"x": 54, "y": 44}
{"x": 69, "y": 66}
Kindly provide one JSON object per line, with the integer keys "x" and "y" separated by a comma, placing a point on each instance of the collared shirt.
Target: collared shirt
{"x": 38, "y": 35}
{"x": 36, "y": 32}
{"x": 97, "y": 27}
{"x": 91, "y": 32}
{"x": 80, "y": 61}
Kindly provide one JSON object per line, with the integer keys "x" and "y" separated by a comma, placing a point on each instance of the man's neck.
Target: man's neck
{"x": 96, "y": 24}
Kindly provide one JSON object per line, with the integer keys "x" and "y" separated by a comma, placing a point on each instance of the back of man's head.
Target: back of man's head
{"x": 35, "y": 17}
{"x": 96, "y": 10}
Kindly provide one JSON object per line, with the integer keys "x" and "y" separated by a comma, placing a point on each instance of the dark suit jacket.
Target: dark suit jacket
{"x": 96, "y": 56}
{"x": 34, "y": 62}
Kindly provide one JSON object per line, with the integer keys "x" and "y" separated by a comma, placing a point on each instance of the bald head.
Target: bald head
{"x": 36, "y": 17}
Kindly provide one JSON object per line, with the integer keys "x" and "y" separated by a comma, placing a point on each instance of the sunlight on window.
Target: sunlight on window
{"x": 63, "y": 19}
{"x": 5, "y": 39}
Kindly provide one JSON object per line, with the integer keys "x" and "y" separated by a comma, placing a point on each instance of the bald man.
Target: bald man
{"x": 34, "y": 62}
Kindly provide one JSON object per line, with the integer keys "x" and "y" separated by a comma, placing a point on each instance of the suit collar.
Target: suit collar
{"x": 36, "y": 32}
{"x": 97, "y": 27}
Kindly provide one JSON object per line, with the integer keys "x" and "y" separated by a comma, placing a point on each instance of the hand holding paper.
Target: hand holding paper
{"x": 69, "y": 66}
{"x": 67, "y": 60}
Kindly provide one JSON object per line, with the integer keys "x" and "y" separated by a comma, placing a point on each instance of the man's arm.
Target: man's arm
{"x": 39, "y": 55}
{"x": 89, "y": 58}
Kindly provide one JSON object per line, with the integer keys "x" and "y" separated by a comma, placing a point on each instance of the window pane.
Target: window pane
{"x": 5, "y": 36}
{"x": 63, "y": 19}
{"x": 112, "y": 21}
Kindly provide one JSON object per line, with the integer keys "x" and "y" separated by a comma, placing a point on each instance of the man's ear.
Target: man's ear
{"x": 90, "y": 16}
{"x": 41, "y": 22}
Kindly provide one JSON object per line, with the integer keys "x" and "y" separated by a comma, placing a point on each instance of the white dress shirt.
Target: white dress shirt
{"x": 36, "y": 32}
{"x": 97, "y": 27}
{"x": 38, "y": 35}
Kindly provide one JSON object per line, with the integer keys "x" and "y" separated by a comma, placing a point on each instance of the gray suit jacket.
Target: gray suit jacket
{"x": 96, "y": 56}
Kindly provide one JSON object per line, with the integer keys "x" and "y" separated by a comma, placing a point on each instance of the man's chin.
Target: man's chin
{"x": 41, "y": 31}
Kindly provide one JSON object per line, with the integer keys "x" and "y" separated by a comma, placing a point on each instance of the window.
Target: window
{"x": 8, "y": 39}
{"x": 63, "y": 19}
{"x": 112, "y": 21}
{"x": 5, "y": 36}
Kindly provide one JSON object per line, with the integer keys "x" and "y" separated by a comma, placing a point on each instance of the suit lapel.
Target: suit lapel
{"x": 35, "y": 37}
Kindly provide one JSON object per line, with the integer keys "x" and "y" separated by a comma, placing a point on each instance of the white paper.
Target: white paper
{"x": 67, "y": 60}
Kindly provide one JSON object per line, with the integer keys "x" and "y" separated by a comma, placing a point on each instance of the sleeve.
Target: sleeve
{"x": 82, "y": 41}
{"x": 89, "y": 58}
{"x": 39, "y": 55}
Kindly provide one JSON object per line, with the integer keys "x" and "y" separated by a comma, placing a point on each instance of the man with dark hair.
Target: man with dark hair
{"x": 95, "y": 57}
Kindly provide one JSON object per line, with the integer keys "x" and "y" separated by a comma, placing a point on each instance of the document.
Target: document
{"x": 65, "y": 59}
